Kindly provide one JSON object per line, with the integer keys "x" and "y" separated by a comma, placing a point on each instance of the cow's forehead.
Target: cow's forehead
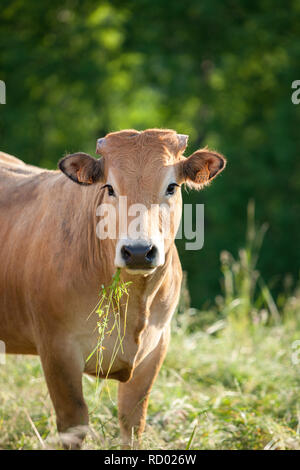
{"x": 131, "y": 147}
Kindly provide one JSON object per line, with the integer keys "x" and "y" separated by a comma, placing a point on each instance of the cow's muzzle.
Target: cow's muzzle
{"x": 139, "y": 256}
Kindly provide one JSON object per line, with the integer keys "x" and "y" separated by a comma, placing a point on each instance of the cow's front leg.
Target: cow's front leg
{"x": 134, "y": 394}
{"x": 63, "y": 366}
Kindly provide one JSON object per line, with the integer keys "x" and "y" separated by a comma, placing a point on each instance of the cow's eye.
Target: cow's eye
{"x": 171, "y": 189}
{"x": 110, "y": 189}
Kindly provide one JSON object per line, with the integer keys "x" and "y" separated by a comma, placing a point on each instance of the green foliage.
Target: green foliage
{"x": 218, "y": 71}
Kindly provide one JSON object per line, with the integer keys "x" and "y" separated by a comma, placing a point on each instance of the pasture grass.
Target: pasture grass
{"x": 225, "y": 389}
{"x": 231, "y": 378}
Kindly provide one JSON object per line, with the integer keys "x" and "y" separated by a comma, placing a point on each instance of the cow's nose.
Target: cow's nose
{"x": 139, "y": 255}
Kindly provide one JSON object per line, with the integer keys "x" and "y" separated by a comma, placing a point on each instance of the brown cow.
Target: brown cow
{"x": 52, "y": 265}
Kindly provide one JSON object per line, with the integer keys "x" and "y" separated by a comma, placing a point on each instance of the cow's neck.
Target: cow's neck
{"x": 142, "y": 292}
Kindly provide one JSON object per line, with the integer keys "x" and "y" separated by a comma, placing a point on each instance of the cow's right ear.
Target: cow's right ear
{"x": 82, "y": 168}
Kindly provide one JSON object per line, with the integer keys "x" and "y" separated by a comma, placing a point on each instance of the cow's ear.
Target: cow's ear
{"x": 202, "y": 167}
{"x": 82, "y": 168}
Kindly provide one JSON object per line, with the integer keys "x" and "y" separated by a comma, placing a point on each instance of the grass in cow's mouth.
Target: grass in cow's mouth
{"x": 110, "y": 306}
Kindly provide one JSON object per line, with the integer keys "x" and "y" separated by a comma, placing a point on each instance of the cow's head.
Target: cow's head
{"x": 148, "y": 168}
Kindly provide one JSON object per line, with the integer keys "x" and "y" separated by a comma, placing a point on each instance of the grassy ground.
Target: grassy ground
{"x": 228, "y": 389}
{"x": 230, "y": 380}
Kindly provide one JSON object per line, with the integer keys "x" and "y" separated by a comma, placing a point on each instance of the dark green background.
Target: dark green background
{"x": 218, "y": 71}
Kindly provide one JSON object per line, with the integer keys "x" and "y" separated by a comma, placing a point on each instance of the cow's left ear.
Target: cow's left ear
{"x": 202, "y": 167}
{"x": 82, "y": 168}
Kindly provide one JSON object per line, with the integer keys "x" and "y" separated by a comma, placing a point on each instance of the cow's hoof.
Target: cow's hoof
{"x": 73, "y": 437}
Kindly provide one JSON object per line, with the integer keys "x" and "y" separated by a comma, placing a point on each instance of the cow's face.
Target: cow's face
{"x": 139, "y": 176}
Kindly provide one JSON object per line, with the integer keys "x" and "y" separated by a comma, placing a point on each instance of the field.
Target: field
{"x": 73, "y": 72}
{"x": 230, "y": 380}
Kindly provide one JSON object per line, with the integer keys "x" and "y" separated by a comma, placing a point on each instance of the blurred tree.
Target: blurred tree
{"x": 218, "y": 71}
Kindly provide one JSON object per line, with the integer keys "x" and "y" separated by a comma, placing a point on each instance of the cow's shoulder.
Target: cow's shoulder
{"x": 23, "y": 184}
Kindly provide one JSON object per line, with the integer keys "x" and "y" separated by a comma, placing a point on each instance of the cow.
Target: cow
{"x": 52, "y": 264}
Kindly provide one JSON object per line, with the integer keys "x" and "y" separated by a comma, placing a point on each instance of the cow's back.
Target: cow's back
{"x": 7, "y": 160}
{"x": 15, "y": 165}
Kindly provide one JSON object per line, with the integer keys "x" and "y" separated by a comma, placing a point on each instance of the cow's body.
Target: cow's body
{"x": 51, "y": 273}
{"x": 52, "y": 267}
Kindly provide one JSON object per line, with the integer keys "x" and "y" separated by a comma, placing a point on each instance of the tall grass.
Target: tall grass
{"x": 247, "y": 298}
